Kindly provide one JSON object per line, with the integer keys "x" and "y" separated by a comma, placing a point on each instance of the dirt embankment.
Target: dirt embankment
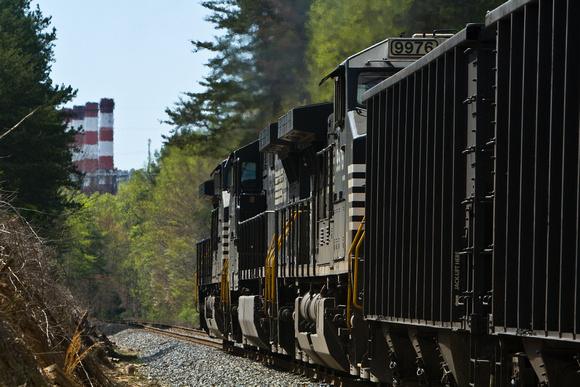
{"x": 44, "y": 338}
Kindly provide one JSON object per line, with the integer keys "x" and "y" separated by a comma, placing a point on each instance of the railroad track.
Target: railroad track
{"x": 188, "y": 334}
{"x": 315, "y": 373}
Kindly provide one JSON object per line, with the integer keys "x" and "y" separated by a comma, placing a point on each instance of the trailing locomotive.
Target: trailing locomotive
{"x": 422, "y": 229}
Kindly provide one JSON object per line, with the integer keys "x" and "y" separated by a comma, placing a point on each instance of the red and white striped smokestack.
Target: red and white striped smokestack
{"x": 91, "y": 138}
{"x": 106, "y": 135}
{"x": 76, "y": 122}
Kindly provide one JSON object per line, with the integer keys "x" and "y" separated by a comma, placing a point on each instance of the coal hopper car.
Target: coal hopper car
{"x": 472, "y": 233}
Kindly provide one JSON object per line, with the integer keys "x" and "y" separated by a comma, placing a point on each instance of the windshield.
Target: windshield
{"x": 368, "y": 79}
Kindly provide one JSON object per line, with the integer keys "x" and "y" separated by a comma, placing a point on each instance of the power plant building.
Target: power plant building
{"x": 93, "y": 148}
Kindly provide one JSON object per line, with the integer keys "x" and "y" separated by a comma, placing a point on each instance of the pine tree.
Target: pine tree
{"x": 35, "y": 160}
{"x": 257, "y": 72}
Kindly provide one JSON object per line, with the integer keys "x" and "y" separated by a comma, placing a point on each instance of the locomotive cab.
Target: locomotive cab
{"x": 344, "y": 159}
{"x": 236, "y": 193}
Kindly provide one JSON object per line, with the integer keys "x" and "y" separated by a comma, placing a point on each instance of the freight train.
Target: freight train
{"x": 423, "y": 228}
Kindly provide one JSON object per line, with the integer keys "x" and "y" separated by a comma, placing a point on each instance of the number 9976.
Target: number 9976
{"x": 411, "y": 47}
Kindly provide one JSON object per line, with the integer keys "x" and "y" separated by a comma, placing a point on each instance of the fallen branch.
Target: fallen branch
{"x": 19, "y": 122}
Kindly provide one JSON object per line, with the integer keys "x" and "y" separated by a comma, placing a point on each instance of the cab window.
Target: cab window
{"x": 249, "y": 177}
{"x": 368, "y": 79}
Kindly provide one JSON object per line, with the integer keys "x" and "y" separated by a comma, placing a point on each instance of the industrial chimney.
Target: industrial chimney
{"x": 94, "y": 156}
{"x": 91, "y": 138}
{"x": 76, "y": 122}
{"x": 106, "y": 135}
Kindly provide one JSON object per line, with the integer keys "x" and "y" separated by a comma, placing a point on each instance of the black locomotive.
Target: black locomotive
{"x": 422, "y": 229}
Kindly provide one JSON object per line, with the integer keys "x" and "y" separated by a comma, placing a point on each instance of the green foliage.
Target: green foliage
{"x": 133, "y": 254}
{"x": 164, "y": 249}
{"x": 85, "y": 246}
{"x": 426, "y": 16}
{"x": 337, "y": 30}
{"x": 35, "y": 161}
{"x": 190, "y": 315}
{"x": 90, "y": 254}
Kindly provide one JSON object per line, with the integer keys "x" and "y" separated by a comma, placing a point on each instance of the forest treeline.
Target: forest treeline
{"x": 133, "y": 254}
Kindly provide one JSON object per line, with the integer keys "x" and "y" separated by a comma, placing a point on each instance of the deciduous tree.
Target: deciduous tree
{"x": 339, "y": 29}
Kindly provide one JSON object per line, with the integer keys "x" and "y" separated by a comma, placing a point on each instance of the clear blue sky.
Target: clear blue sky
{"x": 136, "y": 52}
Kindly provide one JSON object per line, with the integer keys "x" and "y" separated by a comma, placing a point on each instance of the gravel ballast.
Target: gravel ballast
{"x": 173, "y": 362}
